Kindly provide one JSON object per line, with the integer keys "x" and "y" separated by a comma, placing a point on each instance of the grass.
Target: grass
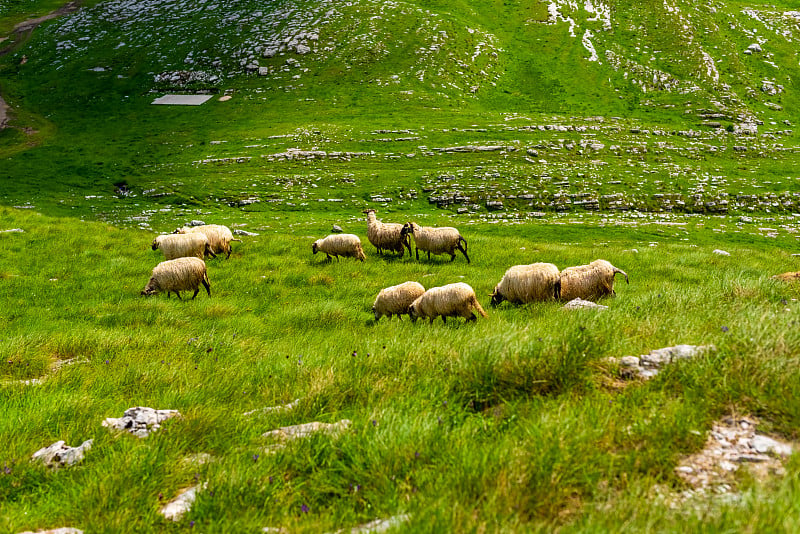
{"x": 518, "y": 422}
{"x": 511, "y": 422}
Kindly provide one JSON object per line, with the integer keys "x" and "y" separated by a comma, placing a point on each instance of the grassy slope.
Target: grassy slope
{"x": 513, "y": 423}
{"x": 510, "y": 422}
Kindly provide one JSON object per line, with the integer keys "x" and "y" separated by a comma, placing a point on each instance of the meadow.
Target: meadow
{"x": 481, "y": 115}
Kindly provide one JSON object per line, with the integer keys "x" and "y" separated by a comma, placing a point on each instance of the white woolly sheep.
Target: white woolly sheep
{"x": 395, "y": 300}
{"x": 527, "y": 283}
{"x": 346, "y": 245}
{"x": 386, "y": 236}
{"x": 444, "y": 240}
{"x": 182, "y": 246}
{"x": 219, "y": 236}
{"x": 452, "y": 300}
{"x": 182, "y": 274}
{"x": 588, "y": 282}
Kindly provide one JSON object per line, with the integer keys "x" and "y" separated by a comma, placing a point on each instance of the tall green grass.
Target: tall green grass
{"x": 515, "y": 422}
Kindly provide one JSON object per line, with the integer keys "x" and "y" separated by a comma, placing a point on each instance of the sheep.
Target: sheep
{"x": 180, "y": 246}
{"x": 182, "y": 274}
{"x": 395, "y": 300}
{"x": 588, "y": 282}
{"x": 219, "y": 236}
{"x": 527, "y": 283}
{"x": 386, "y": 236}
{"x": 443, "y": 240}
{"x": 452, "y": 300}
{"x": 347, "y": 245}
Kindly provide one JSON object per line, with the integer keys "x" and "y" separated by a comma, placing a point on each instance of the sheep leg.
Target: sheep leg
{"x": 472, "y": 317}
{"x": 207, "y": 285}
{"x": 196, "y": 291}
{"x": 429, "y": 254}
{"x": 417, "y": 249}
{"x": 444, "y": 319}
{"x": 452, "y": 256}
{"x": 177, "y": 293}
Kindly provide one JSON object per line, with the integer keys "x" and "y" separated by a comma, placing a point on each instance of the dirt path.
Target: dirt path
{"x": 3, "y": 113}
{"x": 28, "y": 26}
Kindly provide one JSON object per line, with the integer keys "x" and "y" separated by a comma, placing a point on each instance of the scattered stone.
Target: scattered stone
{"x": 289, "y": 433}
{"x": 755, "y": 47}
{"x": 273, "y": 409}
{"x": 336, "y": 229}
{"x": 720, "y": 252}
{"x": 579, "y": 303}
{"x": 224, "y": 98}
{"x": 140, "y": 421}
{"x": 197, "y": 223}
{"x": 59, "y": 454}
{"x": 200, "y": 458}
{"x": 731, "y": 445}
{"x": 648, "y": 365}
{"x": 20, "y": 230}
{"x": 238, "y": 231}
{"x": 378, "y": 525}
{"x": 181, "y": 504}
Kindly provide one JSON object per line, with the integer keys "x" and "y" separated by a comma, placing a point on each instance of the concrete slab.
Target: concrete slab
{"x": 182, "y": 100}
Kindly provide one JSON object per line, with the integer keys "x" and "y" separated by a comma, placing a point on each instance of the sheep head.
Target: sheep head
{"x": 151, "y": 288}
{"x": 497, "y": 298}
{"x": 154, "y": 246}
{"x": 315, "y": 246}
{"x": 407, "y": 229}
{"x": 412, "y": 313}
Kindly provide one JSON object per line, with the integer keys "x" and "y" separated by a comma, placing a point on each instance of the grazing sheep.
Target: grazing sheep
{"x": 347, "y": 245}
{"x": 527, "y": 283}
{"x": 219, "y": 236}
{"x": 452, "y": 300}
{"x": 395, "y": 300}
{"x": 588, "y": 282}
{"x": 182, "y": 246}
{"x": 386, "y": 236}
{"x": 182, "y": 274}
{"x": 443, "y": 240}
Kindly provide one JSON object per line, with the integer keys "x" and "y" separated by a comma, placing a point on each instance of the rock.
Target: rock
{"x": 336, "y": 229}
{"x": 181, "y": 504}
{"x": 379, "y": 525}
{"x": 764, "y": 444}
{"x": 755, "y": 47}
{"x": 58, "y": 454}
{"x": 225, "y": 98}
{"x": 289, "y": 433}
{"x": 302, "y": 49}
{"x": 19, "y": 230}
{"x": 272, "y": 409}
{"x": 579, "y": 303}
{"x": 140, "y": 421}
{"x": 238, "y": 231}
{"x": 720, "y": 252}
{"x": 648, "y": 365}
{"x": 197, "y": 223}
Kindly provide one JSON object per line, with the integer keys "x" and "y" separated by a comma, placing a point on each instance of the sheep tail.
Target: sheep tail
{"x": 623, "y": 272}
{"x": 479, "y": 307}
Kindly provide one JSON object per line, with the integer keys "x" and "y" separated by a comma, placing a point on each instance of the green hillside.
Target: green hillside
{"x": 658, "y": 135}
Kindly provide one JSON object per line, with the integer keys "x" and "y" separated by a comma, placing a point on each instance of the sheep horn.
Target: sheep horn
{"x": 623, "y": 272}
